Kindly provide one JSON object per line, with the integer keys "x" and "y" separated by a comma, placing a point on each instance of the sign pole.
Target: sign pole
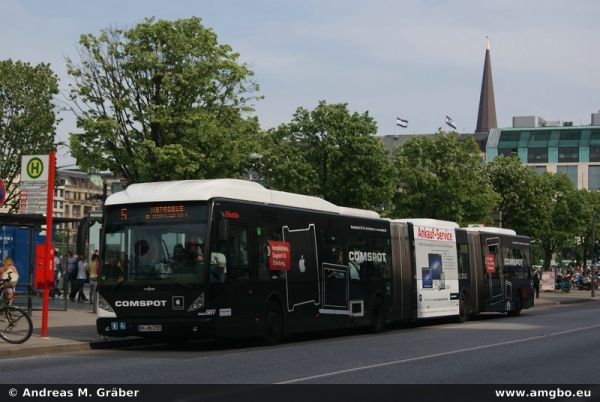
{"x": 49, "y": 251}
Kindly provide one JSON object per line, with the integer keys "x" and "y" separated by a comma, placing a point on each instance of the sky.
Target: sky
{"x": 418, "y": 60}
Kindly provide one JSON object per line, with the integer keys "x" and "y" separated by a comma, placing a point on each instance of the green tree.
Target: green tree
{"x": 563, "y": 212}
{"x": 27, "y": 118}
{"x": 331, "y": 153}
{"x": 442, "y": 178}
{"x": 592, "y": 202}
{"x": 163, "y": 100}
{"x": 521, "y": 193}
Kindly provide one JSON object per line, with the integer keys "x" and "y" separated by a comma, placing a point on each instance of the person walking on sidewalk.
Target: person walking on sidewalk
{"x": 536, "y": 284}
{"x": 58, "y": 273}
{"x": 94, "y": 269}
{"x": 82, "y": 277}
{"x": 71, "y": 275}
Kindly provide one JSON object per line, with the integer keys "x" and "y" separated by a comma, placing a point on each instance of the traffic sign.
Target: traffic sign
{"x": 2, "y": 192}
{"x": 34, "y": 168}
{"x": 34, "y": 184}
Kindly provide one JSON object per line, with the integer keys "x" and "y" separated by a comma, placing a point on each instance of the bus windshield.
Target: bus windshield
{"x": 161, "y": 243}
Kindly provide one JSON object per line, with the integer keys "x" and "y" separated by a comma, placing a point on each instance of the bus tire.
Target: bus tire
{"x": 377, "y": 317}
{"x": 273, "y": 329}
{"x": 516, "y": 311}
{"x": 463, "y": 308}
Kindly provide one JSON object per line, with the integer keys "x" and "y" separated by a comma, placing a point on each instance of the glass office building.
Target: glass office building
{"x": 574, "y": 151}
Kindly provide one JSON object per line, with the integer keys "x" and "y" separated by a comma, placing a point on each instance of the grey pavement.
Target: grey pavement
{"x": 74, "y": 329}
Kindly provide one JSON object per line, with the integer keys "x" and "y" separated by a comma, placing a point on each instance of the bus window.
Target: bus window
{"x": 264, "y": 234}
{"x": 463, "y": 261}
{"x": 229, "y": 260}
{"x": 369, "y": 258}
{"x": 354, "y": 273}
{"x": 516, "y": 264}
{"x": 493, "y": 247}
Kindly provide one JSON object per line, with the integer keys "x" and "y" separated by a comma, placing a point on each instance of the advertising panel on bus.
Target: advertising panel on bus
{"x": 437, "y": 271}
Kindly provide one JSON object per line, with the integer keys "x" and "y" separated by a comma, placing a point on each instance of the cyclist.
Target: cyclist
{"x": 9, "y": 269}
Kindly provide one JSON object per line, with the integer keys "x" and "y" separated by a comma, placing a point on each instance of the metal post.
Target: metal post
{"x": 31, "y": 269}
{"x": 593, "y": 251}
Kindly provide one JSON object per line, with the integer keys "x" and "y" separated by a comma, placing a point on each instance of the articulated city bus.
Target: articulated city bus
{"x": 229, "y": 258}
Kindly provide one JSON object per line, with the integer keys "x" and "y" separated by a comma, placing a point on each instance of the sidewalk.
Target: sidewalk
{"x": 74, "y": 330}
{"x": 70, "y": 330}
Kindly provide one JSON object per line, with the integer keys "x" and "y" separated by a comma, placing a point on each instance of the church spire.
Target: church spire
{"x": 486, "y": 118}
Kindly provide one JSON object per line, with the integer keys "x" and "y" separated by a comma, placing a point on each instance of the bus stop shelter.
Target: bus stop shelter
{"x": 32, "y": 223}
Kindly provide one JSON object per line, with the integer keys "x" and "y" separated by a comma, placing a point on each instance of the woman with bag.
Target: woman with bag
{"x": 9, "y": 270}
{"x": 82, "y": 277}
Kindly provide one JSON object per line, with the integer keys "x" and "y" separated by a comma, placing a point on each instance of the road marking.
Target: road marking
{"x": 413, "y": 359}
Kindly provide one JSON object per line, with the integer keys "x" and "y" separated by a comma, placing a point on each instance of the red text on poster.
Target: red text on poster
{"x": 490, "y": 263}
{"x": 280, "y": 256}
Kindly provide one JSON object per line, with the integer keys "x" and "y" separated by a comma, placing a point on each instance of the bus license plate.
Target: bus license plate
{"x": 150, "y": 328}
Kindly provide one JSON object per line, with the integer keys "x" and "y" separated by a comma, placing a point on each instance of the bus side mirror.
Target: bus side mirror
{"x": 223, "y": 229}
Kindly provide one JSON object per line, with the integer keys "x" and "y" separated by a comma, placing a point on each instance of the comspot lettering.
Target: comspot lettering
{"x": 140, "y": 303}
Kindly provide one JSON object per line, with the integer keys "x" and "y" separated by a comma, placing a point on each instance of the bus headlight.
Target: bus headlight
{"x": 104, "y": 308}
{"x": 197, "y": 304}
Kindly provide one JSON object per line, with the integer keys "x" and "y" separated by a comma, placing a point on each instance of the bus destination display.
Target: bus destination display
{"x": 157, "y": 213}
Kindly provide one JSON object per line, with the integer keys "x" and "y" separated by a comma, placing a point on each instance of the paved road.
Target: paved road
{"x": 546, "y": 345}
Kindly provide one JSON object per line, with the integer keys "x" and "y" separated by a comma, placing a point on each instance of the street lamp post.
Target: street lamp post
{"x": 593, "y": 286}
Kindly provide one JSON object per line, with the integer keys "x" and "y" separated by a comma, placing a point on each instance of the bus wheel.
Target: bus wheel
{"x": 273, "y": 324}
{"x": 463, "y": 308}
{"x": 377, "y": 317}
{"x": 517, "y": 310}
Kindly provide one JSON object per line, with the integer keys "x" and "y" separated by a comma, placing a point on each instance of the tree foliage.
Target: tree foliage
{"x": 442, "y": 178}
{"x": 521, "y": 194}
{"x": 27, "y": 118}
{"x": 161, "y": 101}
{"x": 331, "y": 153}
{"x": 546, "y": 207}
{"x": 564, "y": 212}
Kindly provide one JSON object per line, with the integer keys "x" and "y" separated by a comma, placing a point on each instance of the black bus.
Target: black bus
{"x": 229, "y": 258}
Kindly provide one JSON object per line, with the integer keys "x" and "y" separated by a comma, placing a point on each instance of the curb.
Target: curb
{"x": 123, "y": 343}
{"x": 36, "y": 350}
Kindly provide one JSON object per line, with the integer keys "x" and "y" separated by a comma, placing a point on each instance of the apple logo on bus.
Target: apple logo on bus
{"x": 301, "y": 264}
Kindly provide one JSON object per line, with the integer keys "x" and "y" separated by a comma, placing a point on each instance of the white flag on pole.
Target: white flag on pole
{"x": 401, "y": 122}
{"x": 450, "y": 122}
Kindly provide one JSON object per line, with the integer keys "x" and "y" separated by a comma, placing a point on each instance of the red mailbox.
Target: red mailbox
{"x": 44, "y": 272}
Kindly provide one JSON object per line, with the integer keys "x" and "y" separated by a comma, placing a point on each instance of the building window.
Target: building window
{"x": 537, "y": 155}
{"x": 538, "y": 169}
{"x": 570, "y": 171}
{"x": 594, "y": 178}
{"x": 507, "y": 151}
{"x": 568, "y": 154}
{"x": 594, "y": 154}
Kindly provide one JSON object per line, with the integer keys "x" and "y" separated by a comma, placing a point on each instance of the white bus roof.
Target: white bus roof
{"x": 488, "y": 229}
{"x": 433, "y": 223}
{"x": 204, "y": 190}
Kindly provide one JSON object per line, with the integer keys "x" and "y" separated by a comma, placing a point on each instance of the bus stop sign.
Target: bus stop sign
{"x": 2, "y": 192}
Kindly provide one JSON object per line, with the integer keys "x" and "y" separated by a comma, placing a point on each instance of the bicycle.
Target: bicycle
{"x": 15, "y": 324}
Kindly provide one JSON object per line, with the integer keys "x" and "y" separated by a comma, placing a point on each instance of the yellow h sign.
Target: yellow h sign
{"x": 33, "y": 168}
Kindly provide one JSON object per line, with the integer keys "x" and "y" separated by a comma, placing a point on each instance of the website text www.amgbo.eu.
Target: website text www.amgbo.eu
{"x": 550, "y": 394}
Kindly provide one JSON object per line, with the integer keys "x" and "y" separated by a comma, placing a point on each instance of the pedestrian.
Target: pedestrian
{"x": 94, "y": 269}
{"x": 9, "y": 271}
{"x": 82, "y": 278}
{"x": 58, "y": 272}
{"x": 536, "y": 284}
{"x": 72, "y": 274}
